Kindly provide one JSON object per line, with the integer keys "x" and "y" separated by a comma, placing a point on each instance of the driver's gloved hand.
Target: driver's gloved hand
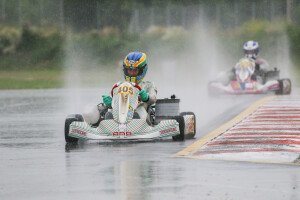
{"x": 107, "y": 100}
{"x": 144, "y": 95}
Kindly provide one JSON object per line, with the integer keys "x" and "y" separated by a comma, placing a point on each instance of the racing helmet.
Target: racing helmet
{"x": 251, "y": 49}
{"x": 135, "y": 61}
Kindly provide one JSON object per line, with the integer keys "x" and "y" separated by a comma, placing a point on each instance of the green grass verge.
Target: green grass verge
{"x": 31, "y": 79}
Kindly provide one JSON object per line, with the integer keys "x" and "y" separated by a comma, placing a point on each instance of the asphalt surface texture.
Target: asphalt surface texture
{"x": 36, "y": 163}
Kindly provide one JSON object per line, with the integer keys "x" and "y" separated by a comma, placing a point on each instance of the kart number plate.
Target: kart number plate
{"x": 125, "y": 89}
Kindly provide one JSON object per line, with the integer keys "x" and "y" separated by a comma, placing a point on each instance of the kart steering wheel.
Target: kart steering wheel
{"x": 116, "y": 85}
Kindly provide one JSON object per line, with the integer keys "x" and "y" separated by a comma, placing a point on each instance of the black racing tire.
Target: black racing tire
{"x": 68, "y": 121}
{"x": 290, "y": 86}
{"x": 180, "y": 120}
{"x": 151, "y": 115}
{"x": 281, "y": 89}
{"x": 190, "y": 135}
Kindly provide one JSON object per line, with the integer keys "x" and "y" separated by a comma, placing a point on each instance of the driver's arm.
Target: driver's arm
{"x": 152, "y": 92}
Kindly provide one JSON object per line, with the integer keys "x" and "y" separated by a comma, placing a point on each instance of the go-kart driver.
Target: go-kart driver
{"x": 247, "y": 63}
{"x": 251, "y": 50}
{"x": 135, "y": 67}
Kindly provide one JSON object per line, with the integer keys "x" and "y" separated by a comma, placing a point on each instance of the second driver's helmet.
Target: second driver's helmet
{"x": 251, "y": 49}
{"x": 135, "y": 67}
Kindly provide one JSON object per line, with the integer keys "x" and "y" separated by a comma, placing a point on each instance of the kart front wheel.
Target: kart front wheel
{"x": 180, "y": 120}
{"x": 69, "y": 120}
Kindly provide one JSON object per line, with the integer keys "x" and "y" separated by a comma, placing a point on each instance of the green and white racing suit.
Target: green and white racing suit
{"x": 152, "y": 92}
{"x": 141, "y": 109}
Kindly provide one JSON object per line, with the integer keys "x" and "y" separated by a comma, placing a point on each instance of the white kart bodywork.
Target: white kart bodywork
{"x": 243, "y": 84}
{"x": 123, "y": 126}
{"x": 253, "y": 87}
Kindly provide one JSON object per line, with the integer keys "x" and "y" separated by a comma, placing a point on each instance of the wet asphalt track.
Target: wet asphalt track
{"x": 36, "y": 163}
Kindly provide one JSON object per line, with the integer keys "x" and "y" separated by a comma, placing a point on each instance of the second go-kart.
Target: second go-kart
{"x": 244, "y": 83}
{"x": 164, "y": 119}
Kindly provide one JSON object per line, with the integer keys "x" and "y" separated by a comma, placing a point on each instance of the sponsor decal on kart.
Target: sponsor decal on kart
{"x": 130, "y": 108}
{"x": 167, "y": 130}
{"x": 273, "y": 87}
{"x": 255, "y": 86}
{"x": 129, "y": 114}
{"x": 130, "y": 111}
{"x": 189, "y": 124}
{"x": 251, "y": 85}
{"x": 78, "y": 132}
{"x": 122, "y": 134}
{"x": 235, "y": 85}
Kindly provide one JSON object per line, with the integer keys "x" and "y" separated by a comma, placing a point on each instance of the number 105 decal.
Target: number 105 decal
{"x": 125, "y": 89}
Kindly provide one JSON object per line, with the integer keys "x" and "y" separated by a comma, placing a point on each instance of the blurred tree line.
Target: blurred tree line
{"x": 96, "y": 14}
{"x": 86, "y": 15}
{"x": 33, "y": 30}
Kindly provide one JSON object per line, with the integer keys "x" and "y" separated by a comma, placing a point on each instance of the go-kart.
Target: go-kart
{"x": 247, "y": 82}
{"x": 122, "y": 123}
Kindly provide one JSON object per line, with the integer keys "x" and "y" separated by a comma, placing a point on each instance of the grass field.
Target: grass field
{"x": 31, "y": 79}
{"x": 39, "y": 79}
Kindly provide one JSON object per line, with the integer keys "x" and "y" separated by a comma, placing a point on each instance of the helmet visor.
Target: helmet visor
{"x": 250, "y": 52}
{"x": 133, "y": 71}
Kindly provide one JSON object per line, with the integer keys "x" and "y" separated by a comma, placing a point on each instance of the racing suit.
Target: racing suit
{"x": 141, "y": 109}
{"x": 261, "y": 69}
{"x": 152, "y": 92}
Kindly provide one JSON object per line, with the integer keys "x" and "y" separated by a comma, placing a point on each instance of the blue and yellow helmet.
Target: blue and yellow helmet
{"x": 136, "y": 60}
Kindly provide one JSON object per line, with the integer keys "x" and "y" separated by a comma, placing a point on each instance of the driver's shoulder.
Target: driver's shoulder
{"x": 260, "y": 61}
{"x": 146, "y": 83}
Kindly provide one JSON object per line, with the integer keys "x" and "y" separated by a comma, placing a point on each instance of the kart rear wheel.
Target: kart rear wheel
{"x": 180, "y": 120}
{"x": 285, "y": 87}
{"x": 69, "y": 120}
{"x": 192, "y": 124}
